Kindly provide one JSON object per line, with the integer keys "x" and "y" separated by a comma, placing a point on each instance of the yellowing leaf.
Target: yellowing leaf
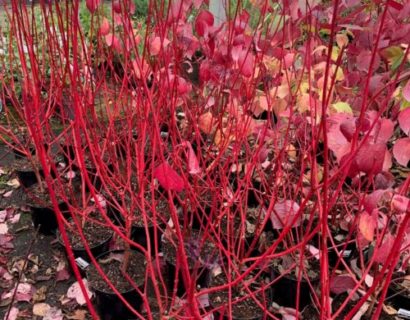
{"x": 367, "y": 224}
{"x": 341, "y": 107}
{"x": 391, "y": 54}
{"x": 206, "y": 122}
{"x": 335, "y": 53}
{"x": 342, "y": 40}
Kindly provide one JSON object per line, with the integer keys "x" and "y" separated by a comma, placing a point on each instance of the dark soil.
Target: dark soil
{"x": 338, "y": 301}
{"x": 199, "y": 252}
{"x": 161, "y": 216}
{"x": 400, "y": 284}
{"x": 241, "y": 308}
{"x": 111, "y": 265}
{"x": 253, "y": 223}
{"x": 311, "y": 266}
{"x": 95, "y": 234}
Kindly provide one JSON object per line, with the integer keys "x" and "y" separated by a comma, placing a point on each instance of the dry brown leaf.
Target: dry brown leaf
{"x": 41, "y": 309}
{"x": 40, "y": 294}
{"x": 78, "y": 314}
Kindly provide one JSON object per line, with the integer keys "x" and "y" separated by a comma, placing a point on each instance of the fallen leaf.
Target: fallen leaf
{"x": 41, "y": 309}
{"x": 14, "y": 183}
{"x": 3, "y": 228}
{"x": 78, "y": 314}
{"x": 342, "y": 283}
{"x": 285, "y": 212}
{"x": 54, "y": 314}
{"x": 40, "y": 294}
{"x": 8, "y": 194}
{"x": 74, "y": 292}
{"x": 12, "y": 315}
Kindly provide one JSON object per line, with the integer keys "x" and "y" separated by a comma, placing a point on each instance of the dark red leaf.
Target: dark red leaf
{"x": 348, "y": 128}
{"x": 203, "y": 22}
{"x": 92, "y": 5}
{"x": 342, "y": 283}
{"x": 168, "y": 177}
{"x": 368, "y": 159}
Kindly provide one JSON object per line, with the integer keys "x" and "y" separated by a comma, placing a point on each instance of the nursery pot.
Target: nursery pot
{"x": 284, "y": 292}
{"x": 108, "y": 305}
{"x": 98, "y": 245}
{"x": 398, "y": 295}
{"x": 201, "y": 254}
{"x": 44, "y": 218}
{"x": 26, "y": 178}
{"x": 154, "y": 226}
{"x": 200, "y": 275}
{"x": 285, "y": 289}
{"x": 241, "y": 310}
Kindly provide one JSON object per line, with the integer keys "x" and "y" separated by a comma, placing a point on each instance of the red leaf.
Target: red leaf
{"x": 284, "y": 212}
{"x": 203, "y": 22}
{"x": 404, "y": 119}
{"x": 368, "y": 159}
{"x": 246, "y": 63}
{"x": 112, "y": 41}
{"x": 373, "y": 200}
{"x": 92, "y": 5}
{"x": 116, "y": 6}
{"x": 348, "y": 129}
{"x": 342, "y": 283}
{"x": 382, "y": 252}
{"x": 401, "y": 151}
{"x": 104, "y": 27}
{"x": 156, "y": 44}
{"x": 367, "y": 224}
{"x": 168, "y": 177}
{"x": 193, "y": 163}
{"x": 406, "y": 91}
{"x": 384, "y": 131}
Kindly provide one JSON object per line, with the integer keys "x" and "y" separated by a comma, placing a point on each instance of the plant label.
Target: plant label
{"x": 347, "y": 253}
{"x": 81, "y": 263}
{"x": 403, "y": 313}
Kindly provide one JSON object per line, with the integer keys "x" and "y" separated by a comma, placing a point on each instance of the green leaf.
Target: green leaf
{"x": 342, "y": 107}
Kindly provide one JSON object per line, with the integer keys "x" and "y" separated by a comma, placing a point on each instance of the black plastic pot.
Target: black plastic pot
{"x": 285, "y": 289}
{"x": 218, "y": 316}
{"x": 138, "y": 233}
{"x": 44, "y": 218}
{"x": 110, "y": 307}
{"x": 81, "y": 255}
{"x": 221, "y": 314}
{"x": 398, "y": 296}
{"x": 201, "y": 275}
{"x": 139, "y": 236}
{"x": 348, "y": 254}
{"x": 26, "y": 178}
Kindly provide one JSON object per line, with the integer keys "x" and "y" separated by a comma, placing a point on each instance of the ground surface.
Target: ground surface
{"x": 37, "y": 262}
